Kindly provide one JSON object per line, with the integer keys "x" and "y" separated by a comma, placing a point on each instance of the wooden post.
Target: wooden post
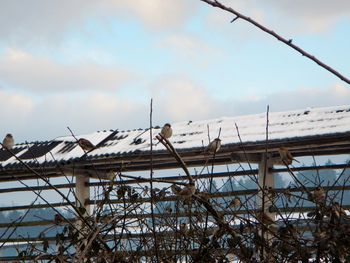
{"x": 269, "y": 183}
{"x": 82, "y": 191}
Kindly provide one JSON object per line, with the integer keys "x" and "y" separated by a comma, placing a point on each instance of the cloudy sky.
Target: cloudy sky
{"x": 95, "y": 65}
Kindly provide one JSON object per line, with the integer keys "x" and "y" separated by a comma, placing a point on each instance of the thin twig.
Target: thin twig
{"x": 151, "y": 182}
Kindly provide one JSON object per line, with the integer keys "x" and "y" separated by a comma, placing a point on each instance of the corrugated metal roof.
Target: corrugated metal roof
{"x": 188, "y": 135}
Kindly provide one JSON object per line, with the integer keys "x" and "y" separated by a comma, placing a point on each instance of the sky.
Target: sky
{"x": 95, "y": 65}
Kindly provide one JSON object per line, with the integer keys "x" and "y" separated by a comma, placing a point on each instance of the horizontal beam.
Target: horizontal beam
{"x": 180, "y": 178}
{"x": 173, "y": 197}
{"x": 332, "y": 144}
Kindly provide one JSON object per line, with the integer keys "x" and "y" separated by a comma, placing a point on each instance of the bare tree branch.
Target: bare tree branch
{"x": 288, "y": 42}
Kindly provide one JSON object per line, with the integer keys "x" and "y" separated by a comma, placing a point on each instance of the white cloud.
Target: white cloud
{"x": 300, "y": 98}
{"x": 38, "y": 21}
{"x": 158, "y": 14}
{"x": 191, "y": 48}
{"x": 46, "y": 118}
{"x": 15, "y": 111}
{"x": 23, "y": 70}
{"x": 309, "y": 16}
{"x": 180, "y": 100}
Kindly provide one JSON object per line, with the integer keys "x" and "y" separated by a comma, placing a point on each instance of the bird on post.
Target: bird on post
{"x": 8, "y": 141}
{"x": 85, "y": 144}
{"x": 214, "y": 146}
{"x": 166, "y": 131}
{"x": 286, "y": 156}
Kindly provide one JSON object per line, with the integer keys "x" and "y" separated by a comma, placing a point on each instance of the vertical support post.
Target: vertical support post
{"x": 82, "y": 194}
{"x": 265, "y": 167}
{"x": 269, "y": 183}
{"x": 82, "y": 191}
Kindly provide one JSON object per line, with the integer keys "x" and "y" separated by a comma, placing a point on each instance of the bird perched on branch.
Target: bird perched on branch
{"x": 286, "y": 156}
{"x": 187, "y": 191}
{"x": 110, "y": 175}
{"x": 265, "y": 218}
{"x": 214, "y": 146}
{"x": 319, "y": 195}
{"x": 235, "y": 202}
{"x": 8, "y": 141}
{"x": 85, "y": 144}
{"x": 337, "y": 211}
{"x": 166, "y": 131}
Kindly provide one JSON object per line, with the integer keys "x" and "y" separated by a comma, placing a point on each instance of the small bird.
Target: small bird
{"x": 265, "y": 218}
{"x": 8, "y": 142}
{"x": 319, "y": 195}
{"x": 175, "y": 189}
{"x": 286, "y": 156}
{"x": 235, "y": 202}
{"x": 214, "y": 146}
{"x": 166, "y": 131}
{"x": 337, "y": 211}
{"x": 85, "y": 144}
{"x": 110, "y": 175}
{"x": 187, "y": 191}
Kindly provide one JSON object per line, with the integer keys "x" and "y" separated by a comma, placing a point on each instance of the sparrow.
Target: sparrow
{"x": 166, "y": 131}
{"x": 175, "y": 189}
{"x": 286, "y": 156}
{"x": 187, "y": 191}
{"x": 8, "y": 142}
{"x": 235, "y": 202}
{"x": 214, "y": 146}
{"x": 110, "y": 175}
{"x": 337, "y": 211}
{"x": 85, "y": 144}
{"x": 319, "y": 195}
{"x": 265, "y": 219}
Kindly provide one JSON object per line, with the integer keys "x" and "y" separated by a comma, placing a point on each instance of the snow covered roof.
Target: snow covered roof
{"x": 304, "y": 123}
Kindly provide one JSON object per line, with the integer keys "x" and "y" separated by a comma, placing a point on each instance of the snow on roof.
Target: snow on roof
{"x": 189, "y": 135}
